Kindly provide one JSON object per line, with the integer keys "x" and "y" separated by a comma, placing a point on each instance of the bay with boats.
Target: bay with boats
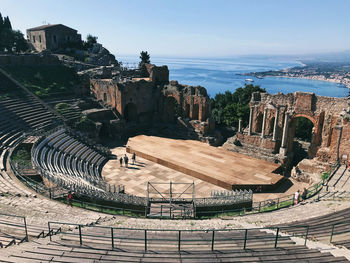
{"x": 218, "y": 75}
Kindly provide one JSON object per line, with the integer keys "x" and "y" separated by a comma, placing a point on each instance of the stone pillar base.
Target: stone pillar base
{"x": 283, "y": 151}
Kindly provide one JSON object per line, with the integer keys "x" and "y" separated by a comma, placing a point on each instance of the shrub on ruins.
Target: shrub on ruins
{"x": 145, "y": 58}
{"x": 62, "y": 107}
{"x": 90, "y": 41}
{"x": 85, "y": 124}
{"x": 229, "y": 107}
{"x": 22, "y": 157}
{"x": 11, "y": 40}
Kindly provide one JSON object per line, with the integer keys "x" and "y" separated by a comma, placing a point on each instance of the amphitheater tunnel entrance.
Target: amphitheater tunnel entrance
{"x": 130, "y": 112}
{"x": 171, "y": 109}
{"x": 301, "y": 140}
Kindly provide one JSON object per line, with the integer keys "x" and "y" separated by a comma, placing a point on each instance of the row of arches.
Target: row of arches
{"x": 298, "y": 136}
{"x": 173, "y": 110}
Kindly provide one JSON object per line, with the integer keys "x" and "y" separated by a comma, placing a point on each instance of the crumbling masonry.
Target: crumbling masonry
{"x": 272, "y": 124}
{"x": 144, "y": 100}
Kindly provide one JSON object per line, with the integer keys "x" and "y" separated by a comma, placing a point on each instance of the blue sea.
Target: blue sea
{"x": 218, "y": 75}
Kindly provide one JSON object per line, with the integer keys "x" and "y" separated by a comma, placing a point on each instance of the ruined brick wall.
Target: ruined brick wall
{"x": 323, "y": 112}
{"x": 104, "y": 90}
{"x": 153, "y": 99}
{"x": 266, "y": 144}
{"x": 194, "y": 102}
{"x": 158, "y": 75}
{"x": 140, "y": 94}
{"x": 340, "y": 141}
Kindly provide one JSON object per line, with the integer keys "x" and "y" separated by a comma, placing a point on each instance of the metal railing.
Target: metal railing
{"x": 345, "y": 228}
{"x": 272, "y": 204}
{"x": 15, "y": 224}
{"x": 210, "y": 238}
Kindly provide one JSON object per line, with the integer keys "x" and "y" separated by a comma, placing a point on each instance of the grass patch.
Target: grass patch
{"x": 85, "y": 124}
{"x": 22, "y": 157}
{"x": 325, "y": 176}
{"x": 45, "y": 80}
{"x": 62, "y": 107}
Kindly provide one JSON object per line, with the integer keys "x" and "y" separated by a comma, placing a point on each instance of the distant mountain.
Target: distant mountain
{"x": 343, "y": 56}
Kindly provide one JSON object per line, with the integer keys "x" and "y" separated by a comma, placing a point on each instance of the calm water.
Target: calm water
{"x": 219, "y": 75}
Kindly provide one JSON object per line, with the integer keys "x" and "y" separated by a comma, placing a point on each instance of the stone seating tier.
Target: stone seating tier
{"x": 163, "y": 247}
{"x": 61, "y": 153}
{"x": 321, "y": 227}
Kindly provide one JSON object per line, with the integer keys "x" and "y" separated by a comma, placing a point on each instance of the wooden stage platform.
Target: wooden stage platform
{"x": 218, "y": 166}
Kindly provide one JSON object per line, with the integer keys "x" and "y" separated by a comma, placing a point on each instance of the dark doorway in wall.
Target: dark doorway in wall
{"x": 271, "y": 125}
{"x": 302, "y": 132}
{"x": 187, "y": 111}
{"x": 259, "y": 120}
{"x": 130, "y": 112}
{"x": 170, "y": 109}
{"x": 195, "y": 113}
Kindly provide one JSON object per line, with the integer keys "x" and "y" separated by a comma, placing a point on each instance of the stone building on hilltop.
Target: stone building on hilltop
{"x": 52, "y": 37}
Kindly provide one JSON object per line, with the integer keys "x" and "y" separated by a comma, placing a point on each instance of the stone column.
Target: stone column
{"x": 283, "y": 149}
{"x": 191, "y": 109}
{"x": 340, "y": 128}
{"x": 239, "y": 125}
{"x": 250, "y": 120}
{"x": 275, "y": 125}
{"x": 264, "y": 124}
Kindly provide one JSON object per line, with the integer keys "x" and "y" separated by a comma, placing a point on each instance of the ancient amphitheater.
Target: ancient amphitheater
{"x": 197, "y": 217}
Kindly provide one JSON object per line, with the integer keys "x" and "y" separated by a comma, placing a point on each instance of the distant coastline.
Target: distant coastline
{"x": 321, "y": 71}
{"x": 318, "y": 78}
{"x": 226, "y": 74}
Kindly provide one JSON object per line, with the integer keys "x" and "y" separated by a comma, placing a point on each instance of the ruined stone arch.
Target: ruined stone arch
{"x": 174, "y": 97}
{"x": 305, "y": 116}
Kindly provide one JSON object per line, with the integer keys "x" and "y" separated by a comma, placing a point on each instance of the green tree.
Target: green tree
{"x": 228, "y": 107}
{"x": 90, "y": 41}
{"x": 11, "y": 40}
{"x": 1, "y": 22}
{"x": 19, "y": 43}
{"x": 145, "y": 58}
{"x": 303, "y": 129}
{"x": 7, "y": 23}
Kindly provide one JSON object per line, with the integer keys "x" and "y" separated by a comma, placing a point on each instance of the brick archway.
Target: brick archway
{"x": 315, "y": 134}
{"x": 312, "y": 119}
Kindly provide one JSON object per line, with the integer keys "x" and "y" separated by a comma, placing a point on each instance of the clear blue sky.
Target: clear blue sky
{"x": 196, "y": 27}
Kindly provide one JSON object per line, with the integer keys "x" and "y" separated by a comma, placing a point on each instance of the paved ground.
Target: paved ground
{"x": 135, "y": 177}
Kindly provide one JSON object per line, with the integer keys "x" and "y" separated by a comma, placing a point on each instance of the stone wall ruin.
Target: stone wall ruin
{"x": 153, "y": 98}
{"x": 272, "y": 125}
